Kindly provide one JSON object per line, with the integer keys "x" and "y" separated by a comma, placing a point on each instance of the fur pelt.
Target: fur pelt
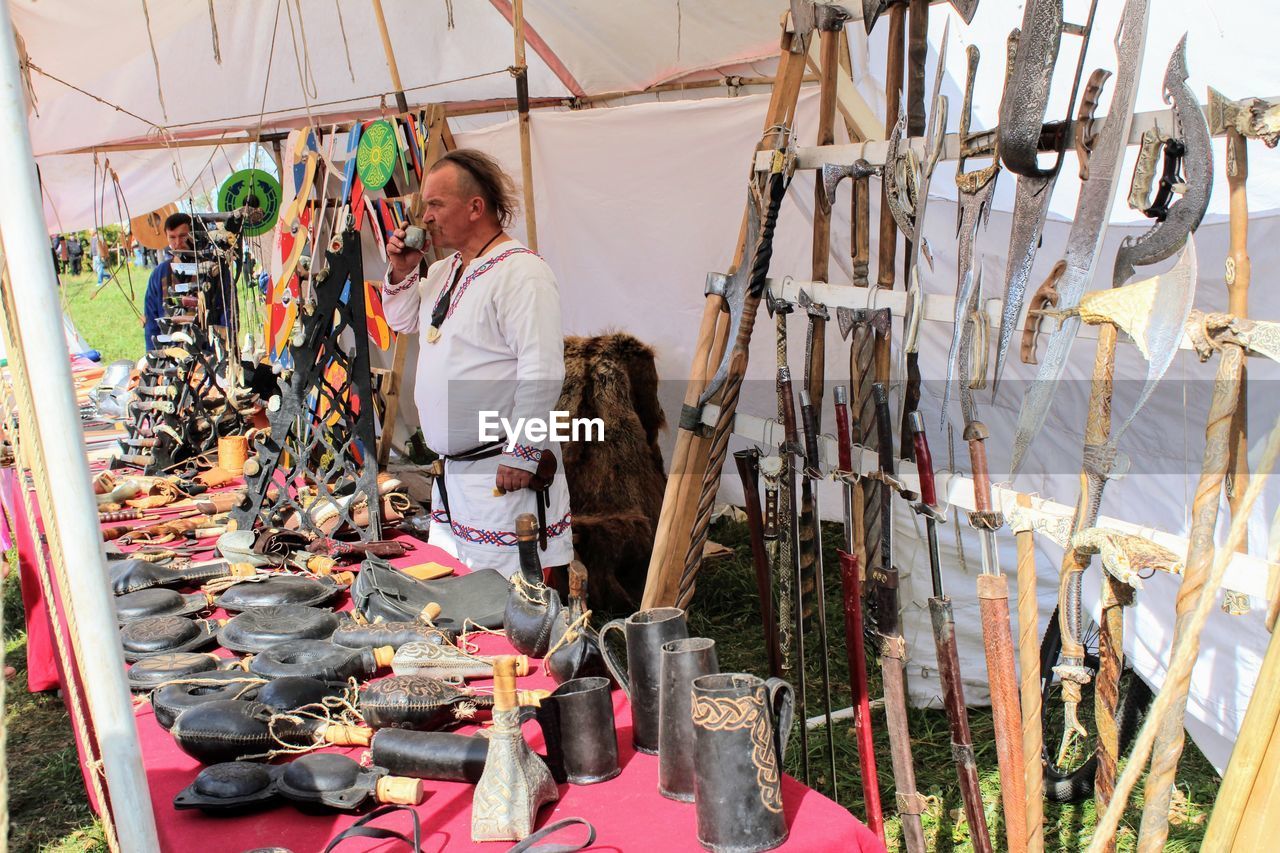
{"x": 616, "y": 485}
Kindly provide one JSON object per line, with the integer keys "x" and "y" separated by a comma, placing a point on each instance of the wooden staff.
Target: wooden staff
{"x": 1238, "y": 274}
{"x": 893, "y": 97}
{"x": 522, "y": 107}
{"x": 1242, "y": 782}
{"x": 1186, "y": 645}
{"x": 1029, "y": 667}
{"x": 1204, "y": 518}
{"x": 689, "y": 460}
{"x": 401, "y": 103}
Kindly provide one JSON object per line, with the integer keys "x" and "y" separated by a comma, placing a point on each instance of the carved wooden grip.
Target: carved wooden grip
{"x": 844, "y": 445}
{"x": 981, "y": 476}
{"x": 788, "y": 405}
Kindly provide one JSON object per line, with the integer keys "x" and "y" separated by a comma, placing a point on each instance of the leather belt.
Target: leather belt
{"x": 541, "y": 485}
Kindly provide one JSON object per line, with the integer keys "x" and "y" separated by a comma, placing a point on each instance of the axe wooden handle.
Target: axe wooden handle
{"x": 893, "y": 98}
{"x": 997, "y": 641}
{"x": 1029, "y": 668}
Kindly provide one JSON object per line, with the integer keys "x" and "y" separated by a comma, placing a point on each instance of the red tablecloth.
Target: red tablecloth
{"x": 627, "y": 811}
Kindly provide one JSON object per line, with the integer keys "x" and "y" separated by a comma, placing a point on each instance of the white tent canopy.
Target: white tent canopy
{"x": 637, "y": 203}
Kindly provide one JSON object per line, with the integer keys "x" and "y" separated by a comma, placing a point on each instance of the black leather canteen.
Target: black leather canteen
{"x": 380, "y": 592}
{"x": 156, "y": 635}
{"x": 158, "y": 602}
{"x": 328, "y": 780}
{"x": 262, "y": 628}
{"x": 172, "y": 699}
{"x": 278, "y": 589}
{"x": 533, "y": 612}
{"x": 294, "y": 691}
{"x": 150, "y": 673}
{"x": 417, "y": 702}
{"x": 577, "y": 656}
{"x": 224, "y": 730}
{"x": 315, "y": 658}
{"x": 394, "y": 634}
{"x": 438, "y": 756}
{"x": 230, "y": 787}
{"x": 133, "y": 575}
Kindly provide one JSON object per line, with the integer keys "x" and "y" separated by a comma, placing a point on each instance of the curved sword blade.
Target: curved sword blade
{"x": 1092, "y": 211}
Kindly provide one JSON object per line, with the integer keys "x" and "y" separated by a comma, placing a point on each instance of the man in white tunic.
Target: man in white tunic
{"x": 490, "y": 347}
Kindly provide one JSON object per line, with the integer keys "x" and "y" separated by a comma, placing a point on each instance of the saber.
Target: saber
{"x": 813, "y": 475}
{"x": 893, "y": 652}
{"x": 791, "y": 450}
{"x": 748, "y": 463}
{"x": 851, "y": 591}
{"x": 944, "y": 638}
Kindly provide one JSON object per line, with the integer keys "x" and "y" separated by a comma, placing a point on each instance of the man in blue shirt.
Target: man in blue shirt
{"x": 177, "y": 229}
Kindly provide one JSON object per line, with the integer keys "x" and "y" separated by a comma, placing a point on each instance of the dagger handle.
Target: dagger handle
{"x": 788, "y": 408}
{"x": 976, "y": 434}
{"x": 924, "y": 460}
{"x": 810, "y": 418}
{"x": 844, "y": 444}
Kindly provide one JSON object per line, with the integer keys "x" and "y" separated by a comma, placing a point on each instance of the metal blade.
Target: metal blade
{"x": 1030, "y": 207}
{"x": 1089, "y": 227}
{"x": 1184, "y": 215}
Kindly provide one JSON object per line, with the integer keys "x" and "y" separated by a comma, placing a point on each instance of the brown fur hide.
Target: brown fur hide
{"x": 616, "y": 485}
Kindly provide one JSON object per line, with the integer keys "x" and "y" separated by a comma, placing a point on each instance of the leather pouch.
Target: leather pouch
{"x": 267, "y": 590}
{"x": 262, "y": 628}
{"x": 173, "y": 698}
{"x": 395, "y": 634}
{"x": 133, "y": 606}
{"x": 233, "y": 786}
{"x": 150, "y": 673}
{"x": 319, "y": 659}
{"x": 380, "y": 592}
{"x": 439, "y": 756}
{"x": 157, "y": 635}
{"x": 133, "y": 575}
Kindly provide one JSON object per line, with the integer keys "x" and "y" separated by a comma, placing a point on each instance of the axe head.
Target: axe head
{"x": 803, "y": 20}
{"x": 966, "y": 8}
{"x": 813, "y": 309}
{"x": 871, "y": 10}
{"x": 846, "y": 317}
{"x": 1255, "y": 118}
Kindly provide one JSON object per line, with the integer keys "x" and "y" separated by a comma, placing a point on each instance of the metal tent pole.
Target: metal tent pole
{"x": 73, "y": 511}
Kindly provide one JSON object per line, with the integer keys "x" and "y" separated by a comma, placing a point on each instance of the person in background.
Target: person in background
{"x": 98, "y": 256}
{"x": 177, "y": 229}
{"x": 64, "y": 255}
{"x": 55, "y": 243}
{"x": 139, "y": 257}
{"x": 76, "y": 251}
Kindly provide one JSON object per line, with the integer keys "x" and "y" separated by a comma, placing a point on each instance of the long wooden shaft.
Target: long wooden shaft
{"x": 1242, "y": 776}
{"x": 1029, "y": 669}
{"x": 689, "y": 460}
{"x": 1238, "y": 274}
{"x": 1260, "y": 822}
{"x": 893, "y": 98}
{"x": 1106, "y": 696}
{"x": 944, "y": 639}
{"x": 1171, "y": 736}
{"x": 1186, "y": 646}
{"x": 997, "y": 643}
{"x": 401, "y": 104}
{"x": 522, "y": 110}
{"x": 749, "y": 472}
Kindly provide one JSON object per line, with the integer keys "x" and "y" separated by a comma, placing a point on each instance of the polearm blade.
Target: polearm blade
{"x": 1090, "y": 225}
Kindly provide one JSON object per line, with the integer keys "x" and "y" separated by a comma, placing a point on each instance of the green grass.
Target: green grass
{"x": 48, "y": 810}
{"x": 724, "y": 608}
{"x": 110, "y": 318}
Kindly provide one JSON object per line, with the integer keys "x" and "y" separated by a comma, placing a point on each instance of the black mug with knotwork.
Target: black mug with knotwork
{"x": 741, "y": 724}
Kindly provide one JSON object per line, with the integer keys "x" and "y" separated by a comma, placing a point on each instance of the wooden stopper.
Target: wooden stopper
{"x": 383, "y": 655}
{"x": 340, "y": 735}
{"x": 399, "y": 789}
{"x": 526, "y": 527}
{"x": 504, "y": 683}
{"x": 242, "y": 570}
{"x": 344, "y": 578}
{"x": 233, "y": 452}
{"x": 430, "y": 612}
{"x": 522, "y": 665}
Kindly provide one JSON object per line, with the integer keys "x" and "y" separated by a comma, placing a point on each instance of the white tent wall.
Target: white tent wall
{"x": 635, "y": 204}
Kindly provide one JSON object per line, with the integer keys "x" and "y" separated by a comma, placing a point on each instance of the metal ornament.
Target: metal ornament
{"x": 1090, "y": 222}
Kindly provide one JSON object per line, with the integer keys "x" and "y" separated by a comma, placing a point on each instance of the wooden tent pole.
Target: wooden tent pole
{"x": 401, "y": 103}
{"x": 522, "y": 106}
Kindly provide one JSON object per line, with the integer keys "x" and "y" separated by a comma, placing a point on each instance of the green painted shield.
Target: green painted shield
{"x": 252, "y": 183}
{"x": 376, "y": 156}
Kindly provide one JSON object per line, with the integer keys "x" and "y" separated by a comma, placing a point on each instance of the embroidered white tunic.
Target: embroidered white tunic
{"x": 500, "y": 350}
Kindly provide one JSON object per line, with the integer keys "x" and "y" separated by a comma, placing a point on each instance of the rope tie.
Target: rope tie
{"x": 571, "y": 633}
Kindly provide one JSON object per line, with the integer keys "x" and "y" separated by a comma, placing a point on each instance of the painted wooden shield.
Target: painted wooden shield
{"x": 247, "y": 187}
{"x": 149, "y": 228}
{"x": 377, "y": 154}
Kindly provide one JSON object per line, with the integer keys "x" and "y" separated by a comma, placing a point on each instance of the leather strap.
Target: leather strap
{"x": 360, "y": 830}
{"x": 528, "y": 845}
